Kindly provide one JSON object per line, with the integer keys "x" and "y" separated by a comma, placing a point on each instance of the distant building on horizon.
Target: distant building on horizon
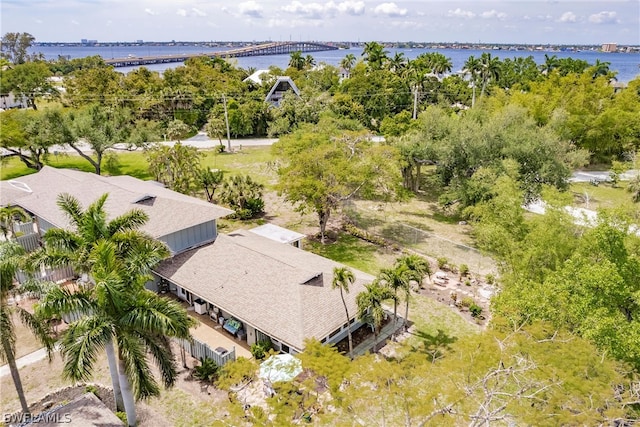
{"x": 610, "y": 47}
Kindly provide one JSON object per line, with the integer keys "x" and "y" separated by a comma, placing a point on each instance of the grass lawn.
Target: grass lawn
{"x": 353, "y": 252}
{"x": 251, "y": 160}
{"x": 602, "y": 196}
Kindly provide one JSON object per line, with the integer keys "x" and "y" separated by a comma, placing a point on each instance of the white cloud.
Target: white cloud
{"x": 568, "y": 17}
{"x": 292, "y": 23}
{"x": 323, "y": 10}
{"x": 351, "y": 7}
{"x": 39, "y": 21}
{"x": 250, "y": 8}
{"x": 459, "y": 13}
{"x": 389, "y": 9}
{"x": 493, "y": 14}
{"x": 150, "y": 12}
{"x": 181, "y": 12}
{"x": 604, "y": 17}
{"x": 198, "y": 12}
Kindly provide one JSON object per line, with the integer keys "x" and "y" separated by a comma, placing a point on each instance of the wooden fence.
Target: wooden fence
{"x": 200, "y": 350}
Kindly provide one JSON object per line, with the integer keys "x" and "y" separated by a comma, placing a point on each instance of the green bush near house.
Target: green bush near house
{"x": 260, "y": 349}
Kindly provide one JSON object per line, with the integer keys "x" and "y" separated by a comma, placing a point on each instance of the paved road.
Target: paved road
{"x": 28, "y": 359}
{"x": 602, "y": 176}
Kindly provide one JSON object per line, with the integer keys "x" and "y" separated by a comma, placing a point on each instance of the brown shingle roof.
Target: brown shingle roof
{"x": 260, "y": 281}
{"x": 168, "y": 210}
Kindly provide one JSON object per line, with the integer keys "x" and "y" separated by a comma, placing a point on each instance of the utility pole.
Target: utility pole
{"x": 226, "y": 120}
{"x": 415, "y": 102}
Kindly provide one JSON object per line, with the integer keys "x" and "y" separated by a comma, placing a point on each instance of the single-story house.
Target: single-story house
{"x": 257, "y": 283}
{"x": 274, "y": 290}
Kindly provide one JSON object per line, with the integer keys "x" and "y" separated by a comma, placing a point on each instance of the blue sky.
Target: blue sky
{"x": 498, "y": 21}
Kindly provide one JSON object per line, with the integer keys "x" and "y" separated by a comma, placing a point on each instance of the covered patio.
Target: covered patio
{"x": 211, "y": 333}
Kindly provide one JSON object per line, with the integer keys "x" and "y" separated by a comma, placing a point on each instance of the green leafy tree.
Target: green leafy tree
{"x": 94, "y": 85}
{"x": 342, "y": 278}
{"x": 11, "y": 259}
{"x": 14, "y": 47}
{"x": 323, "y": 166}
{"x": 634, "y": 188}
{"x": 210, "y": 179}
{"x": 28, "y": 81}
{"x": 104, "y": 127}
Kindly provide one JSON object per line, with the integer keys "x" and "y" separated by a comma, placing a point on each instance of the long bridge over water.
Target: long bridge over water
{"x": 273, "y": 48}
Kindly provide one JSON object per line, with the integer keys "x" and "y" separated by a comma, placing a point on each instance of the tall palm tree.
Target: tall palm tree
{"x": 472, "y": 68}
{"x": 309, "y": 61}
{"x": 296, "y": 60}
{"x": 600, "y": 68}
{"x": 137, "y": 251}
{"x": 550, "y": 63}
{"x": 11, "y": 256}
{"x": 342, "y": 278}
{"x": 418, "y": 268}
{"x": 117, "y": 308}
{"x": 395, "y": 279}
{"x": 489, "y": 70}
{"x": 8, "y": 217}
{"x": 397, "y": 63}
{"x": 375, "y": 55}
{"x": 370, "y": 308}
{"x": 348, "y": 61}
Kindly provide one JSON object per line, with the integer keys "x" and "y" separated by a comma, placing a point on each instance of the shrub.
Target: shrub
{"x": 467, "y": 282}
{"x": 91, "y": 389}
{"x": 464, "y": 270}
{"x": 361, "y": 234}
{"x": 490, "y": 278}
{"x": 207, "y": 371}
{"x": 259, "y": 350}
{"x": 220, "y": 148}
{"x": 475, "y": 310}
{"x": 467, "y": 302}
{"x": 122, "y": 416}
{"x": 442, "y": 262}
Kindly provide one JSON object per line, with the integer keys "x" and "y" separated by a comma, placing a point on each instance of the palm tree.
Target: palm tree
{"x": 550, "y": 64}
{"x": 397, "y": 63}
{"x": 600, "y": 69}
{"x": 309, "y": 61}
{"x": 370, "y": 309}
{"x": 296, "y": 60}
{"x": 489, "y": 70}
{"x": 238, "y": 190}
{"x": 418, "y": 269}
{"x": 395, "y": 279}
{"x": 472, "y": 68}
{"x": 342, "y": 278}
{"x": 8, "y": 217}
{"x": 375, "y": 55}
{"x": 11, "y": 255}
{"x": 348, "y": 61}
{"x": 119, "y": 309}
{"x": 137, "y": 251}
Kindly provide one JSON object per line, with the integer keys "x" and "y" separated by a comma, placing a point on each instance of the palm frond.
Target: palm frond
{"x": 34, "y": 288}
{"x": 80, "y": 345}
{"x": 39, "y": 328}
{"x": 60, "y": 301}
{"x": 62, "y": 240}
{"x": 71, "y": 207}
{"x": 132, "y": 353}
{"x": 163, "y": 357}
{"x": 154, "y": 314}
{"x": 132, "y": 220}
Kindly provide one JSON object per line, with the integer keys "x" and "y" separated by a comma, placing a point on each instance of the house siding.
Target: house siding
{"x": 190, "y": 237}
{"x": 44, "y": 225}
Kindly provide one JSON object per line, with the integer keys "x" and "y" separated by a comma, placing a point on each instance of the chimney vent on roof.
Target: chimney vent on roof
{"x": 314, "y": 280}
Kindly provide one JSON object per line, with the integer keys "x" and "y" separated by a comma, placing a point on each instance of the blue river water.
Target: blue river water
{"x": 627, "y": 65}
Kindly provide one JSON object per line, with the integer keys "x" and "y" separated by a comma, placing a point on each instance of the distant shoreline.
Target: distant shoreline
{"x": 531, "y": 47}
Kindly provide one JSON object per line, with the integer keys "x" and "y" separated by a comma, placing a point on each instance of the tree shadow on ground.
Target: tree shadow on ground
{"x": 435, "y": 346}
